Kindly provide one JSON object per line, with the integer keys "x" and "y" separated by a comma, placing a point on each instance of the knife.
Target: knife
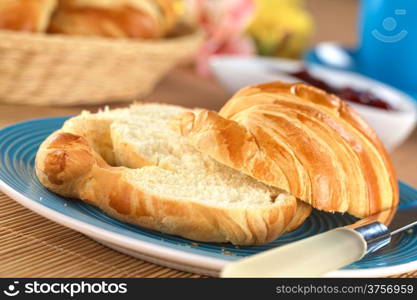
{"x": 317, "y": 255}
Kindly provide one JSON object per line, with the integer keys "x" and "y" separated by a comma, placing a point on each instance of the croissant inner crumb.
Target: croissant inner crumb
{"x": 172, "y": 167}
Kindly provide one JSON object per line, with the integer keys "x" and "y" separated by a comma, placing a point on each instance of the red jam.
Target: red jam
{"x": 346, "y": 93}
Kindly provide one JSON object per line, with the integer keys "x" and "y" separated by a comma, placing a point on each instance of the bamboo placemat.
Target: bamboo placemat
{"x": 32, "y": 246}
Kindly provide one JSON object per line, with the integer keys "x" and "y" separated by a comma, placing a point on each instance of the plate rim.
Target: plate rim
{"x": 163, "y": 253}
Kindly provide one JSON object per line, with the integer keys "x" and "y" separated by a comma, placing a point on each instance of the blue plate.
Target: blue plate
{"x": 18, "y": 146}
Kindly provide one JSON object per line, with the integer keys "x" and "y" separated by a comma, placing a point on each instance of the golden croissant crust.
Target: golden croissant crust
{"x": 26, "y": 15}
{"x": 302, "y": 140}
{"x": 144, "y": 19}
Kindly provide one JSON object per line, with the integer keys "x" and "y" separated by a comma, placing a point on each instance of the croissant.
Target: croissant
{"x": 302, "y": 140}
{"x": 26, "y": 15}
{"x": 114, "y": 18}
{"x": 133, "y": 166}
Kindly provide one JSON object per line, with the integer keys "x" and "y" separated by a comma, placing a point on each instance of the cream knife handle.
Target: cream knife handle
{"x": 310, "y": 257}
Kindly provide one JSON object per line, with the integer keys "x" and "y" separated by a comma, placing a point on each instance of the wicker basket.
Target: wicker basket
{"x": 41, "y": 69}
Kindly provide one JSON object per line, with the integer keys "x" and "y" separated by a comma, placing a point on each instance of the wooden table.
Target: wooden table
{"x": 34, "y": 246}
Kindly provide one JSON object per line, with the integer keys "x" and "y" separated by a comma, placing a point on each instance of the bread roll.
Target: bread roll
{"x": 302, "y": 140}
{"x": 144, "y": 19}
{"x": 133, "y": 166}
{"x": 26, "y": 15}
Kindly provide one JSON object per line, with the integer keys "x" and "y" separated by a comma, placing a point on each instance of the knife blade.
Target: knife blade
{"x": 317, "y": 255}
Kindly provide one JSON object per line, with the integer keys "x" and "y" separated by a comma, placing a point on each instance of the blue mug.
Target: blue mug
{"x": 388, "y": 42}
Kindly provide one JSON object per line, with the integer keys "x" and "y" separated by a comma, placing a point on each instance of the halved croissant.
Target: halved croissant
{"x": 161, "y": 182}
{"x": 302, "y": 140}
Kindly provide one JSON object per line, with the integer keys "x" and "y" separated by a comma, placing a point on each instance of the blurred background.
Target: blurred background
{"x": 61, "y": 57}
